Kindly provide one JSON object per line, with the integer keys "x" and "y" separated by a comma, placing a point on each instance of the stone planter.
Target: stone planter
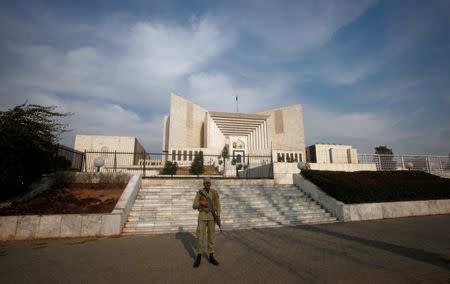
{"x": 72, "y": 225}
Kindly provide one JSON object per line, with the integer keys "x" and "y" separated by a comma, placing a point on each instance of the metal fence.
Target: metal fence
{"x": 241, "y": 166}
{"x": 432, "y": 164}
{"x": 153, "y": 164}
{"x": 66, "y": 158}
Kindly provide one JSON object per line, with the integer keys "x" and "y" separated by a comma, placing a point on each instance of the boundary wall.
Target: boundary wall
{"x": 371, "y": 211}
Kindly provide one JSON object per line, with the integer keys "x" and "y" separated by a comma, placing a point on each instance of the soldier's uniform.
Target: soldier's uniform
{"x": 206, "y": 225}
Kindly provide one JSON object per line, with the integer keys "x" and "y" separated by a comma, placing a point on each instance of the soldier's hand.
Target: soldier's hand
{"x": 203, "y": 203}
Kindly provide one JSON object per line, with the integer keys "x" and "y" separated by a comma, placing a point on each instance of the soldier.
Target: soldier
{"x": 206, "y": 221}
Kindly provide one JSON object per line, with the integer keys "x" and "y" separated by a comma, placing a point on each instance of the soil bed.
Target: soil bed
{"x": 70, "y": 199}
{"x": 382, "y": 186}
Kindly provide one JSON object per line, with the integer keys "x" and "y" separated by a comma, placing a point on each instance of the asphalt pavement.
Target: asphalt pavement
{"x": 404, "y": 250}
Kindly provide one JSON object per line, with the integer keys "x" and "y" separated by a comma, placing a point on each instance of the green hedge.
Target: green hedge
{"x": 382, "y": 186}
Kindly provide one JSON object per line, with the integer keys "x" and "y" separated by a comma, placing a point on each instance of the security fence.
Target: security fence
{"x": 180, "y": 164}
{"x": 439, "y": 165}
{"x": 66, "y": 158}
{"x": 183, "y": 163}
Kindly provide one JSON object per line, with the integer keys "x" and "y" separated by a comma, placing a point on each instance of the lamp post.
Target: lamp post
{"x": 301, "y": 165}
{"x": 409, "y": 166}
{"x": 238, "y": 167}
{"x": 99, "y": 162}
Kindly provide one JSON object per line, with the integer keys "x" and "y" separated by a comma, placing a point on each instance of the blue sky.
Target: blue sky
{"x": 367, "y": 73}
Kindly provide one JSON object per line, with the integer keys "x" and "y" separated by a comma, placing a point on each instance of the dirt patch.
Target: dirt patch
{"x": 70, "y": 199}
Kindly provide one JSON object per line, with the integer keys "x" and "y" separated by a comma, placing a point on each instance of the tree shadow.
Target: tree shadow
{"x": 412, "y": 253}
{"x": 188, "y": 239}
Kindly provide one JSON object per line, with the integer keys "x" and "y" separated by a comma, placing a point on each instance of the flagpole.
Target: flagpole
{"x": 237, "y": 104}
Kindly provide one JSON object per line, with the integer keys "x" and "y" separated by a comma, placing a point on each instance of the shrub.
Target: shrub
{"x": 197, "y": 166}
{"x": 380, "y": 186}
{"x": 170, "y": 168}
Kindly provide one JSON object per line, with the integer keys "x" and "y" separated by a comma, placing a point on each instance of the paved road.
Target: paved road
{"x": 407, "y": 250}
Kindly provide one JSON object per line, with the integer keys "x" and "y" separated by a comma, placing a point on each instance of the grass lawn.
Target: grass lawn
{"x": 380, "y": 186}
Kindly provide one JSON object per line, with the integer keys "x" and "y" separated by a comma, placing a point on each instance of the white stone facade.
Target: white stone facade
{"x": 190, "y": 128}
{"x": 331, "y": 154}
{"x": 102, "y": 143}
{"x": 117, "y": 151}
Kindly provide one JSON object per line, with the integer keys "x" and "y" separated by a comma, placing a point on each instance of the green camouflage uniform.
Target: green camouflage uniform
{"x": 206, "y": 220}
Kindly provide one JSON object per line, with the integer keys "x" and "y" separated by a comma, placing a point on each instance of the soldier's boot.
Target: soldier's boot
{"x": 197, "y": 261}
{"x": 212, "y": 259}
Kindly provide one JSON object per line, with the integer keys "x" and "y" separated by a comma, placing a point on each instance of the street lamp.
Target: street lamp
{"x": 301, "y": 165}
{"x": 409, "y": 166}
{"x": 99, "y": 162}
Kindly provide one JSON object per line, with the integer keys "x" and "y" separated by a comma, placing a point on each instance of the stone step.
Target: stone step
{"x": 231, "y": 215}
{"x": 182, "y": 209}
{"x": 222, "y": 188}
{"x": 261, "y": 205}
{"x": 241, "y": 226}
{"x": 229, "y": 204}
{"x": 166, "y": 208}
{"x": 230, "y": 219}
{"x": 190, "y": 211}
{"x": 221, "y": 194}
{"x": 225, "y": 211}
{"x": 224, "y": 199}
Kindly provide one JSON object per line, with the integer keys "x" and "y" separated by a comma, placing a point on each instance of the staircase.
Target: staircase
{"x": 167, "y": 207}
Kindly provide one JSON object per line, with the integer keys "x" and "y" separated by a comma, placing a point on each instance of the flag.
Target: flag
{"x": 236, "y": 98}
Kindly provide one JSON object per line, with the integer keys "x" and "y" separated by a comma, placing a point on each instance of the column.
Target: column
{"x": 258, "y": 137}
{"x": 265, "y": 136}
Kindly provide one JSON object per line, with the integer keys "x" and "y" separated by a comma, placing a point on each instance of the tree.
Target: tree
{"x": 197, "y": 166}
{"x": 386, "y": 158}
{"x": 225, "y": 153}
{"x": 383, "y": 150}
{"x": 170, "y": 168}
{"x": 28, "y": 135}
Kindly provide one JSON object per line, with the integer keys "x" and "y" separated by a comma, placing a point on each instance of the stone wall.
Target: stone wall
{"x": 285, "y": 128}
{"x": 343, "y": 167}
{"x": 187, "y": 123}
{"x": 332, "y": 153}
{"x": 371, "y": 211}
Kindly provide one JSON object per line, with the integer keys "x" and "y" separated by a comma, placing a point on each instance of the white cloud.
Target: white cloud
{"x": 347, "y": 74}
{"x": 147, "y": 62}
{"x": 363, "y": 130}
{"x": 217, "y": 91}
{"x": 172, "y": 51}
{"x": 109, "y": 119}
{"x": 295, "y": 26}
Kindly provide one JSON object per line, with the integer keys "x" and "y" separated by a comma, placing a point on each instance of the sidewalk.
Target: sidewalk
{"x": 387, "y": 251}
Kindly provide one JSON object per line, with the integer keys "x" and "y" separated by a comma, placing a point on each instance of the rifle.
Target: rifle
{"x": 213, "y": 211}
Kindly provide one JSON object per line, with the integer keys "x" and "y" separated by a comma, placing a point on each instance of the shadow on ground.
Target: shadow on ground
{"x": 188, "y": 240}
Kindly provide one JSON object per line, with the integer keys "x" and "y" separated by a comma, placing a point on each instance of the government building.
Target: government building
{"x": 190, "y": 128}
{"x": 265, "y": 144}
